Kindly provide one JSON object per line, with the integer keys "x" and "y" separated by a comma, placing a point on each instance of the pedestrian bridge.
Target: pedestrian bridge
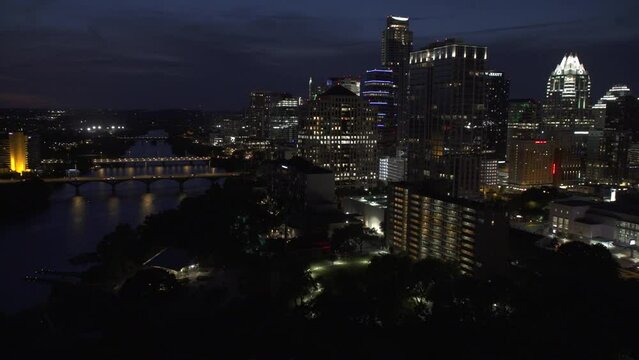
{"x": 158, "y": 159}
{"x": 147, "y": 180}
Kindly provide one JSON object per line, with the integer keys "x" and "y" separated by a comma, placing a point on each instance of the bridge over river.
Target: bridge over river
{"x": 113, "y": 181}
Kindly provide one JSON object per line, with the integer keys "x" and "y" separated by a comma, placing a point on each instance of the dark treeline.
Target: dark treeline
{"x": 256, "y": 305}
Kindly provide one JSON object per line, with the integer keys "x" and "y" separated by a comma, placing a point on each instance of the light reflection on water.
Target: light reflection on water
{"x": 75, "y": 224}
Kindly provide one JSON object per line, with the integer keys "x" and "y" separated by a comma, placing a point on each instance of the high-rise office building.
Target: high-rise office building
{"x": 524, "y": 121}
{"x": 567, "y": 119}
{"x": 34, "y": 154}
{"x": 425, "y": 223}
{"x": 488, "y": 179}
{"x": 315, "y": 88}
{"x": 397, "y": 43}
{"x": 337, "y": 132}
{"x": 392, "y": 169}
{"x": 621, "y": 130}
{"x": 530, "y": 163}
{"x": 284, "y": 120}
{"x": 447, "y": 110}
{"x": 5, "y": 159}
{"x": 379, "y": 89}
{"x": 497, "y": 88}
{"x": 633, "y": 161}
{"x": 259, "y": 111}
{"x": 567, "y": 105}
{"x": 614, "y": 117}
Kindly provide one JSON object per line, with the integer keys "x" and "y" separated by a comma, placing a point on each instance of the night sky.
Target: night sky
{"x": 209, "y": 54}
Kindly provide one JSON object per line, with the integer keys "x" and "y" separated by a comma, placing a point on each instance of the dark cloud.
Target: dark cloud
{"x": 195, "y": 53}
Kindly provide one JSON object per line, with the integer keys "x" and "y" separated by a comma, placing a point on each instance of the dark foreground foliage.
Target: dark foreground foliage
{"x": 568, "y": 304}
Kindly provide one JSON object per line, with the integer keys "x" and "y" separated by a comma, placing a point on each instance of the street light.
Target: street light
{"x": 632, "y": 248}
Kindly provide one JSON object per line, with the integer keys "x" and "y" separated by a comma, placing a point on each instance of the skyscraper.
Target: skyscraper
{"x": 497, "y": 88}
{"x": 283, "y": 120}
{"x": 530, "y": 163}
{"x": 5, "y": 159}
{"x": 567, "y": 105}
{"x": 337, "y": 132}
{"x": 604, "y": 138}
{"x": 447, "y": 111}
{"x": 397, "y": 43}
{"x": 379, "y": 90}
{"x": 524, "y": 121}
{"x": 616, "y": 115}
{"x": 259, "y": 111}
{"x": 568, "y": 119}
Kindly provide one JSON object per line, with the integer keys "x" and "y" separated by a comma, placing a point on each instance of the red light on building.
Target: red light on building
{"x": 541, "y": 142}
{"x": 554, "y": 168}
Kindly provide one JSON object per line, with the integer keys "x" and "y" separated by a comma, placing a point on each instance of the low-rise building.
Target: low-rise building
{"x": 370, "y": 210}
{"x": 594, "y": 221}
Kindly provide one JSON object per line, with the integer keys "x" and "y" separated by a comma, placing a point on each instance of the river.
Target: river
{"x": 75, "y": 224}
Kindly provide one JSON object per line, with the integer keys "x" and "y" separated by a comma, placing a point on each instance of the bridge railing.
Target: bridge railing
{"x": 152, "y": 159}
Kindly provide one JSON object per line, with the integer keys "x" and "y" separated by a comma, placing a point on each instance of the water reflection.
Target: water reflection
{"x": 78, "y": 207}
{"x": 75, "y": 224}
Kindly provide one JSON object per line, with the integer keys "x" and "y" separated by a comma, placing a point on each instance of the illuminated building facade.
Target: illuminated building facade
{"x": 338, "y": 133}
{"x": 524, "y": 121}
{"x": 283, "y": 120}
{"x": 595, "y": 222}
{"x": 424, "y": 223}
{"x": 447, "y": 112}
{"x": 615, "y": 114}
{"x": 633, "y": 161}
{"x": 530, "y": 163}
{"x": 567, "y": 103}
{"x": 379, "y": 90}
{"x": 397, "y": 43}
{"x": 497, "y": 89}
{"x": 488, "y": 177}
{"x": 567, "y": 119}
{"x": 259, "y": 111}
{"x": 392, "y": 169}
{"x": 18, "y": 152}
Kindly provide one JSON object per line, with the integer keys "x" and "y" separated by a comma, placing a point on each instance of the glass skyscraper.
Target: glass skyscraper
{"x": 397, "y": 43}
{"x": 447, "y": 113}
{"x": 379, "y": 90}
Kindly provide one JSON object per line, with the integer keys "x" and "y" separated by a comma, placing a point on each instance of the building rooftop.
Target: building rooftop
{"x": 379, "y": 201}
{"x": 574, "y": 202}
{"x": 338, "y": 90}
{"x": 570, "y": 65}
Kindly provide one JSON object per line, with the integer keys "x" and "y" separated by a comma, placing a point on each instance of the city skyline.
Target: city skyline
{"x": 197, "y": 55}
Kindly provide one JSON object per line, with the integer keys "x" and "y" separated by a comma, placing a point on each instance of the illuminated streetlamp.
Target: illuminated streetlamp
{"x": 632, "y": 248}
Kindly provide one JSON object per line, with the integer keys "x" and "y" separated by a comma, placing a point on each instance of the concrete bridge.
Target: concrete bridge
{"x": 143, "y": 137}
{"x": 147, "y": 180}
{"x": 113, "y": 181}
{"x": 158, "y": 159}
